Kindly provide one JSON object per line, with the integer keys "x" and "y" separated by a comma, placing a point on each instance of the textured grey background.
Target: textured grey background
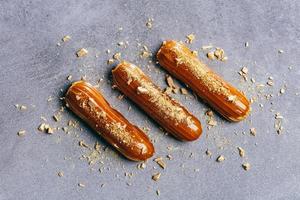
{"x": 33, "y": 68}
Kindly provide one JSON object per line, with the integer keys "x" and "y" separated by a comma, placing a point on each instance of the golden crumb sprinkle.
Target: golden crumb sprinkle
{"x": 253, "y": 131}
{"x": 43, "y": 127}
{"x": 81, "y": 185}
{"x": 190, "y": 38}
{"x": 60, "y": 174}
{"x": 211, "y": 55}
{"x": 117, "y": 56}
{"x": 221, "y": 158}
{"x": 246, "y": 166}
{"x": 110, "y": 61}
{"x": 241, "y": 151}
{"x": 156, "y": 176}
{"x": 82, "y": 52}
{"x": 160, "y": 162}
{"x": 66, "y": 38}
{"x": 21, "y": 133}
{"x": 149, "y": 23}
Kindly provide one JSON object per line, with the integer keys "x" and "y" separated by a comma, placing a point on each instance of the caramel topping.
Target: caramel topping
{"x": 200, "y": 70}
{"x": 117, "y": 129}
{"x": 161, "y": 100}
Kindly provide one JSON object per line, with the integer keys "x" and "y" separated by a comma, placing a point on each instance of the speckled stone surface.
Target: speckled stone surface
{"x": 34, "y": 67}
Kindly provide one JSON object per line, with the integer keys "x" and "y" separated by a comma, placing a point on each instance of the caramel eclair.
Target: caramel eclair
{"x": 88, "y": 103}
{"x": 172, "y": 116}
{"x": 179, "y": 61}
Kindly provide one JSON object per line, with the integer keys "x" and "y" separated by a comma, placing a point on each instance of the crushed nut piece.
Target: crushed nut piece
{"x": 82, "y": 52}
{"x": 211, "y": 55}
{"x": 141, "y": 165}
{"x": 60, "y": 174}
{"x": 69, "y": 77}
{"x": 81, "y": 185}
{"x": 82, "y": 144}
{"x": 253, "y": 131}
{"x": 149, "y": 23}
{"x": 45, "y": 128}
{"x": 208, "y": 152}
{"x": 246, "y": 166}
{"x": 158, "y": 192}
{"x": 117, "y": 56}
{"x": 110, "y": 61}
{"x": 244, "y": 70}
{"x": 156, "y": 176}
{"x": 221, "y": 158}
{"x": 66, "y": 38}
{"x": 183, "y": 91}
{"x": 219, "y": 53}
{"x": 160, "y": 162}
{"x": 190, "y": 38}
{"x": 21, "y": 133}
{"x": 241, "y": 151}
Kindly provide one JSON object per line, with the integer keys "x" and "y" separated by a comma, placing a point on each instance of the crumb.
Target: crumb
{"x": 120, "y": 43}
{"x": 149, "y": 23}
{"x": 253, "y": 131}
{"x": 170, "y": 157}
{"x": 195, "y": 53}
{"x": 117, "y": 56}
{"x": 244, "y": 70}
{"x": 160, "y": 162}
{"x": 110, "y": 61}
{"x": 66, "y": 38}
{"x": 57, "y": 117}
{"x": 246, "y": 44}
{"x": 81, "y": 185}
{"x": 141, "y": 165}
{"x": 183, "y": 91}
{"x": 156, "y": 176}
{"x": 246, "y": 166}
{"x": 208, "y": 152}
{"x": 108, "y": 51}
{"x": 69, "y": 77}
{"x": 270, "y": 83}
{"x": 280, "y": 51}
{"x": 82, "y": 52}
{"x": 221, "y": 158}
{"x": 241, "y": 151}
{"x": 82, "y": 144}
{"x": 219, "y": 54}
{"x": 211, "y": 55}
{"x": 21, "y": 133}
{"x": 282, "y": 91}
{"x": 60, "y": 174}
{"x": 190, "y": 38}
{"x": 158, "y": 192}
{"x": 43, "y": 127}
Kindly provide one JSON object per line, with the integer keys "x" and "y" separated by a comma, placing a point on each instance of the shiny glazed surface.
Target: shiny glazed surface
{"x": 172, "y": 116}
{"x": 88, "y": 103}
{"x": 179, "y": 61}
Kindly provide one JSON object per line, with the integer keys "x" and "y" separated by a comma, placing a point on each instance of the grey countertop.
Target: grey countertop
{"x": 34, "y": 67}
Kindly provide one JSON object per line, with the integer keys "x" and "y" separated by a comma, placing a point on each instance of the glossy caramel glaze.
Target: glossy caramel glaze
{"x": 88, "y": 103}
{"x": 179, "y": 61}
{"x": 172, "y": 116}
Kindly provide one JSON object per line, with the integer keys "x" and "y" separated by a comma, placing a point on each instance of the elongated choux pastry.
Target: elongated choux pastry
{"x": 172, "y": 116}
{"x": 179, "y": 61}
{"x": 88, "y": 103}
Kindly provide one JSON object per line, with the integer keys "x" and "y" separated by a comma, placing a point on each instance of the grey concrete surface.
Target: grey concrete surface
{"x": 33, "y": 68}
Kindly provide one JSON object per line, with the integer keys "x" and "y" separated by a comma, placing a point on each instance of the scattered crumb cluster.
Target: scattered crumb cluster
{"x": 94, "y": 155}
